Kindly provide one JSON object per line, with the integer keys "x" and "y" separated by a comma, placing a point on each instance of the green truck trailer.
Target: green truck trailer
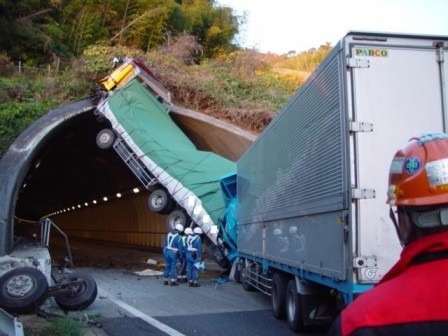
{"x": 183, "y": 182}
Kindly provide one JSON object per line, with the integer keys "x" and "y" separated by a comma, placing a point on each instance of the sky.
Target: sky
{"x": 281, "y": 26}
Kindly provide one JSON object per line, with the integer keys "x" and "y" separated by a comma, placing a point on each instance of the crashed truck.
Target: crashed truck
{"x": 183, "y": 182}
{"x": 306, "y": 210}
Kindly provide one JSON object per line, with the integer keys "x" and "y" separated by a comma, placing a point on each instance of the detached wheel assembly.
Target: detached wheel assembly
{"x": 80, "y": 291}
{"x": 105, "y": 138}
{"x": 23, "y": 290}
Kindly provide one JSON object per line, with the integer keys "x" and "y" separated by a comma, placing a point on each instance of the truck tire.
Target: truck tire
{"x": 294, "y": 308}
{"x": 160, "y": 201}
{"x": 79, "y": 295}
{"x": 105, "y": 138}
{"x": 278, "y": 297}
{"x": 176, "y": 217}
{"x": 244, "y": 281}
{"x": 23, "y": 290}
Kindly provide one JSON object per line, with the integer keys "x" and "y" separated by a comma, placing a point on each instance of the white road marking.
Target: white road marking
{"x": 137, "y": 313}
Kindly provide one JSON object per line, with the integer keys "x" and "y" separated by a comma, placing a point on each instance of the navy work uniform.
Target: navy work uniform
{"x": 194, "y": 255}
{"x": 172, "y": 248}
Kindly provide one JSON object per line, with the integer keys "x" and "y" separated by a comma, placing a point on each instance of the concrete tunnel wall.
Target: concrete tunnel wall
{"x": 125, "y": 221}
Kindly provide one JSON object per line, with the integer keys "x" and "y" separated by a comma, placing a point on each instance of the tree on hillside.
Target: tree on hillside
{"x": 27, "y": 28}
{"x": 39, "y": 29}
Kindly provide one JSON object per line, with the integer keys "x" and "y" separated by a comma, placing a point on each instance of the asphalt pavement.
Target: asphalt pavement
{"x": 133, "y": 301}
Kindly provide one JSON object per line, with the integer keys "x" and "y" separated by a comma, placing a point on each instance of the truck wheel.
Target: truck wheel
{"x": 105, "y": 138}
{"x": 278, "y": 297}
{"x": 245, "y": 283}
{"x": 160, "y": 201}
{"x": 23, "y": 290}
{"x": 176, "y": 217}
{"x": 294, "y": 308}
{"x": 80, "y": 292}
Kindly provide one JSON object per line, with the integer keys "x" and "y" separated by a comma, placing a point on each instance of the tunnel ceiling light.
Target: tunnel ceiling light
{"x": 136, "y": 190}
{"x": 105, "y": 198}
{"x": 79, "y": 206}
{"x": 73, "y": 207}
{"x": 118, "y": 195}
{"x": 86, "y": 204}
{"x": 94, "y": 202}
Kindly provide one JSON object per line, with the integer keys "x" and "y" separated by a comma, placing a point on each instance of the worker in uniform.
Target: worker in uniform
{"x": 182, "y": 261}
{"x": 172, "y": 248}
{"x": 194, "y": 256}
{"x": 412, "y": 298}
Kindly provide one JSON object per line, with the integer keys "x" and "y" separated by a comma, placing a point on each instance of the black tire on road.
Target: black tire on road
{"x": 81, "y": 294}
{"x": 23, "y": 290}
{"x": 294, "y": 308}
{"x": 237, "y": 275}
{"x": 160, "y": 201}
{"x": 278, "y": 297}
{"x": 105, "y": 138}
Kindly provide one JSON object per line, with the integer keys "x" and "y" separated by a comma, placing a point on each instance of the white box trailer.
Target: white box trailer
{"x": 312, "y": 215}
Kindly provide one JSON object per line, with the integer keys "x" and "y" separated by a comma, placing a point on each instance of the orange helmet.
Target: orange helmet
{"x": 419, "y": 172}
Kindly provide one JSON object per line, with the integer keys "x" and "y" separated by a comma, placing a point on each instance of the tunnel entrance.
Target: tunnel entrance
{"x": 88, "y": 192}
{"x": 55, "y": 169}
{"x": 70, "y": 172}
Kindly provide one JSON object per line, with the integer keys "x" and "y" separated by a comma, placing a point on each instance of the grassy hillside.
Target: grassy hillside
{"x": 245, "y": 88}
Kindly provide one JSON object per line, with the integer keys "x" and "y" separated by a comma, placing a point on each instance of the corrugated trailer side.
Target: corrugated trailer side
{"x": 312, "y": 219}
{"x": 293, "y": 182}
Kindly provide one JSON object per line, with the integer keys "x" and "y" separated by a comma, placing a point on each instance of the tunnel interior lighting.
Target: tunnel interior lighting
{"x": 122, "y": 194}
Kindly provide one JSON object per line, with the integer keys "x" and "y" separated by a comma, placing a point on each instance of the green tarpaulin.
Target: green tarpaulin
{"x": 190, "y": 175}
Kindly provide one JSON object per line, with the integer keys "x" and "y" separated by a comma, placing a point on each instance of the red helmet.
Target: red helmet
{"x": 419, "y": 172}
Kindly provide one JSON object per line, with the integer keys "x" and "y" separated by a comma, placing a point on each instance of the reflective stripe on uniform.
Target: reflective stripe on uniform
{"x": 170, "y": 240}
{"x": 190, "y": 240}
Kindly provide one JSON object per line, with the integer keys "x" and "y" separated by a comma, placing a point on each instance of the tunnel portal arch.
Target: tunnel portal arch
{"x": 54, "y": 168}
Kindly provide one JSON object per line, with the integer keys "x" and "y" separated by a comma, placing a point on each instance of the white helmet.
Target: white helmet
{"x": 198, "y": 230}
{"x": 188, "y": 231}
{"x": 179, "y": 227}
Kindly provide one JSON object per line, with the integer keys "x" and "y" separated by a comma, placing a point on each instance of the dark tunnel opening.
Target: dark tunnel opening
{"x": 70, "y": 171}
{"x": 55, "y": 169}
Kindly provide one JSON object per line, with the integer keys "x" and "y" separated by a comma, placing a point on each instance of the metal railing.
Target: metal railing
{"x": 134, "y": 163}
{"x": 45, "y": 229}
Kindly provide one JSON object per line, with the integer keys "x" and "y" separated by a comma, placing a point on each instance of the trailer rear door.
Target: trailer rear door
{"x": 398, "y": 88}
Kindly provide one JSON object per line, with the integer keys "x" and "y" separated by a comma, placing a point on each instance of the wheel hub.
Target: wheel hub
{"x": 104, "y": 138}
{"x": 20, "y": 286}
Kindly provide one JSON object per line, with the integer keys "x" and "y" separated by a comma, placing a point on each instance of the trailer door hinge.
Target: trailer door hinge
{"x": 363, "y": 193}
{"x": 361, "y": 261}
{"x": 356, "y": 126}
{"x": 360, "y": 63}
